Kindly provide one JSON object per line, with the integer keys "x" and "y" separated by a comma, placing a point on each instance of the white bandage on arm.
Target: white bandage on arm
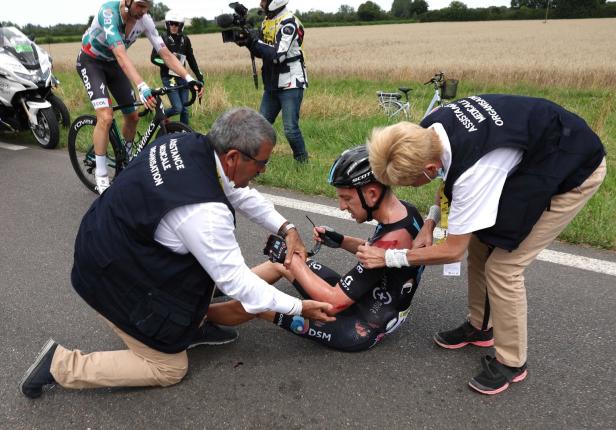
{"x": 396, "y": 258}
{"x": 434, "y": 214}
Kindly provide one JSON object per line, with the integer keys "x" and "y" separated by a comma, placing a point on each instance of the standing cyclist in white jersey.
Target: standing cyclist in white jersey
{"x": 104, "y": 67}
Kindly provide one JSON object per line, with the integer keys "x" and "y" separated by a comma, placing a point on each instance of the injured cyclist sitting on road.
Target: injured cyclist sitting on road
{"x": 369, "y": 304}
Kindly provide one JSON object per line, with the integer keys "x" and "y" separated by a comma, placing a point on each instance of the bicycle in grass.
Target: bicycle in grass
{"x": 119, "y": 154}
{"x": 395, "y": 109}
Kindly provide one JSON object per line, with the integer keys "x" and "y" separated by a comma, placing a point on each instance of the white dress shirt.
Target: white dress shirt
{"x": 476, "y": 193}
{"x": 206, "y": 230}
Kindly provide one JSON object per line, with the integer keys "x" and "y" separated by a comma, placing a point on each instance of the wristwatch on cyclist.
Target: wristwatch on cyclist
{"x": 284, "y": 229}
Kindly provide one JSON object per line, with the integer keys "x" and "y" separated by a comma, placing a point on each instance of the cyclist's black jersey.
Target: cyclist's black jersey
{"x": 382, "y": 298}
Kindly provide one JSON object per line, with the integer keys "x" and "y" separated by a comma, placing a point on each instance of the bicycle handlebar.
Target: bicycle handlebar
{"x": 436, "y": 79}
{"x": 157, "y": 92}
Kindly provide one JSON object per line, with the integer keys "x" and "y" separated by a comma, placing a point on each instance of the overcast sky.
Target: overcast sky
{"x": 50, "y": 12}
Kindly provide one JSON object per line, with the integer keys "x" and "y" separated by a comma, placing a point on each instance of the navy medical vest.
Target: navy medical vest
{"x": 560, "y": 152}
{"x": 155, "y": 295}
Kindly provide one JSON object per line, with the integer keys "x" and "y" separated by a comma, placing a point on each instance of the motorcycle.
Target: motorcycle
{"x": 25, "y": 82}
{"x": 62, "y": 113}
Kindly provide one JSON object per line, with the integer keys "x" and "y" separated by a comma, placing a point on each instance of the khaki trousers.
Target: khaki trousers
{"x": 137, "y": 366}
{"x": 501, "y": 272}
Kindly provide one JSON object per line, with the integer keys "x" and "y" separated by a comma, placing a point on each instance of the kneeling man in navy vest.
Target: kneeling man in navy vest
{"x": 153, "y": 247}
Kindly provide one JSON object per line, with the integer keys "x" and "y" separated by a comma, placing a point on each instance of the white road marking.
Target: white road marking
{"x": 556, "y": 257}
{"x": 11, "y": 147}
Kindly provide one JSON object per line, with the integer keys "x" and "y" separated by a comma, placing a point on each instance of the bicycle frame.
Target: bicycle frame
{"x": 436, "y": 99}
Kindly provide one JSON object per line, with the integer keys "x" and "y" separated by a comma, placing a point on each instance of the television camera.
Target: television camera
{"x": 237, "y": 28}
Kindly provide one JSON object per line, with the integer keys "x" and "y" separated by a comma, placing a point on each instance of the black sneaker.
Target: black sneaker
{"x": 212, "y": 334}
{"x": 39, "y": 375}
{"x": 496, "y": 377}
{"x": 463, "y": 335}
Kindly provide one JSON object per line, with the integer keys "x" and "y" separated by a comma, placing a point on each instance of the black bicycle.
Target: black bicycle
{"x": 119, "y": 154}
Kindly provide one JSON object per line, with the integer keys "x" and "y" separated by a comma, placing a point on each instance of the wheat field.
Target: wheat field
{"x": 569, "y": 53}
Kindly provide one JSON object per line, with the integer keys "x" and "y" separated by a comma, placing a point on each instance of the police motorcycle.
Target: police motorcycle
{"x": 62, "y": 113}
{"x": 25, "y": 82}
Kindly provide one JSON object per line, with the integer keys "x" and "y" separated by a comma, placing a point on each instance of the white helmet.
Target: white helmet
{"x": 174, "y": 16}
{"x": 276, "y": 4}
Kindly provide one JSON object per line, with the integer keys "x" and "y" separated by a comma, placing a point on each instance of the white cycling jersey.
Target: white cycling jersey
{"x": 108, "y": 31}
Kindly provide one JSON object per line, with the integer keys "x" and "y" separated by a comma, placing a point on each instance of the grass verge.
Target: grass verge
{"x": 340, "y": 113}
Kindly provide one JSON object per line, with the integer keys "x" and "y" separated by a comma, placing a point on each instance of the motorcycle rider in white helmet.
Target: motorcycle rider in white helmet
{"x": 179, "y": 44}
{"x": 279, "y": 45}
{"x": 104, "y": 67}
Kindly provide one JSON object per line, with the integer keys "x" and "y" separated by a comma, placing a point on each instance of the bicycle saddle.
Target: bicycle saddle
{"x": 405, "y": 89}
{"x": 385, "y": 95}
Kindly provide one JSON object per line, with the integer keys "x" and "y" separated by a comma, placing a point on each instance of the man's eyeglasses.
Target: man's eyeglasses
{"x": 174, "y": 23}
{"x": 261, "y": 163}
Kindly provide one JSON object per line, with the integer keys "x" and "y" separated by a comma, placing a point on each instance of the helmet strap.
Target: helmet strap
{"x": 370, "y": 210}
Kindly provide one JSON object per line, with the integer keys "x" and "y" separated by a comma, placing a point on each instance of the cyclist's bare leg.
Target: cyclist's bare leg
{"x": 129, "y": 128}
{"x": 272, "y": 272}
{"x": 100, "y": 137}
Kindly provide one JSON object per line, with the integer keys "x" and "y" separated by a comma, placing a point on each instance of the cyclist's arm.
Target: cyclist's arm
{"x": 172, "y": 62}
{"x": 317, "y": 288}
{"x": 119, "y": 51}
{"x": 350, "y": 243}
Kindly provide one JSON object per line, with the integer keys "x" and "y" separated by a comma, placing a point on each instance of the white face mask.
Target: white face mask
{"x": 440, "y": 174}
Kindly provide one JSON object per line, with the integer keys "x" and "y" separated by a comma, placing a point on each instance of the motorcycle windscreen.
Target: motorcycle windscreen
{"x": 17, "y": 44}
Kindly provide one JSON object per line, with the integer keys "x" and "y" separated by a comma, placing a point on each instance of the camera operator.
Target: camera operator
{"x": 279, "y": 45}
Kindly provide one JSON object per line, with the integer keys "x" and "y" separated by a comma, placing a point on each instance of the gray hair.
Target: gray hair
{"x": 243, "y": 129}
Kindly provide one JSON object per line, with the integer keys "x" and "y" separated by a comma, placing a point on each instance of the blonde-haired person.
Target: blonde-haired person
{"x": 515, "y": 171}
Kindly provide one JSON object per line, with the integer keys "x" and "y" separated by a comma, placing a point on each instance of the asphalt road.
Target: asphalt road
{"x": 272, "y": 379}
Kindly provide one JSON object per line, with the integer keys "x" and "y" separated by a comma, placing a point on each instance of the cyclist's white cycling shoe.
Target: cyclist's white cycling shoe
{"x": 102, "y": 183}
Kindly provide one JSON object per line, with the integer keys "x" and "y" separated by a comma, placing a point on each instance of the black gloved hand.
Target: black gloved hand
{"x": 331, "y": 237}
{"x": 275, "y": 249}
{"x": 249, "y": 38}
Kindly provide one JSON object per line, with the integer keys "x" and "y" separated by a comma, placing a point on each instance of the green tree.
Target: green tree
{"x": 158, "y": 11}
{"x": 531, "y": 4}
{"x": 419, "y": 7}
{"x": 408, "y": 8}
{"x": 457, "y": 5}
{"x": 576, "y": 8}
{"x": 401, "y": 8}
{"x": 346, "y": 13}
{"x": 370, "y": 11}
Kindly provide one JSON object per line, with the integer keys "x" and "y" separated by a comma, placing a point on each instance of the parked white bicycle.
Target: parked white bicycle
{"x": 395, "y": 109}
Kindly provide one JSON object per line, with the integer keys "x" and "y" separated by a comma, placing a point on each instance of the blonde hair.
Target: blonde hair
{"x": 398, "y": 153}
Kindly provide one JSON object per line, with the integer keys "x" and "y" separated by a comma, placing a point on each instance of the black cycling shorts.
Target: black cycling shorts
{"x": 102, "y": 77}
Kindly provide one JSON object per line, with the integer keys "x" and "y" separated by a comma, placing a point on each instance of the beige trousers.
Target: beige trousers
{"x": 137, "y": 366}
{"x": 502, "y": 272}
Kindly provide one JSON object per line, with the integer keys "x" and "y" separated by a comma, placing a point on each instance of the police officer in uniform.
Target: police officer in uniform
{"x": 515, "y": 171}
{"x": 179, "y": 44}
{"x": 283, "y": 72}
{"x": 151, "y": 250}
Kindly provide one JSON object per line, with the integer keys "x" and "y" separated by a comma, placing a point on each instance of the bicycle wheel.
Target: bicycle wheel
{"x": 174, "y": 127}
{"x": 395, "y": 110}
{"x": 81, "y": 151}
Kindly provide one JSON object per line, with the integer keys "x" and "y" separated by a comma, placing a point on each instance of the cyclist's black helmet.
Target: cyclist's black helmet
{"x": 352, "y": 169}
